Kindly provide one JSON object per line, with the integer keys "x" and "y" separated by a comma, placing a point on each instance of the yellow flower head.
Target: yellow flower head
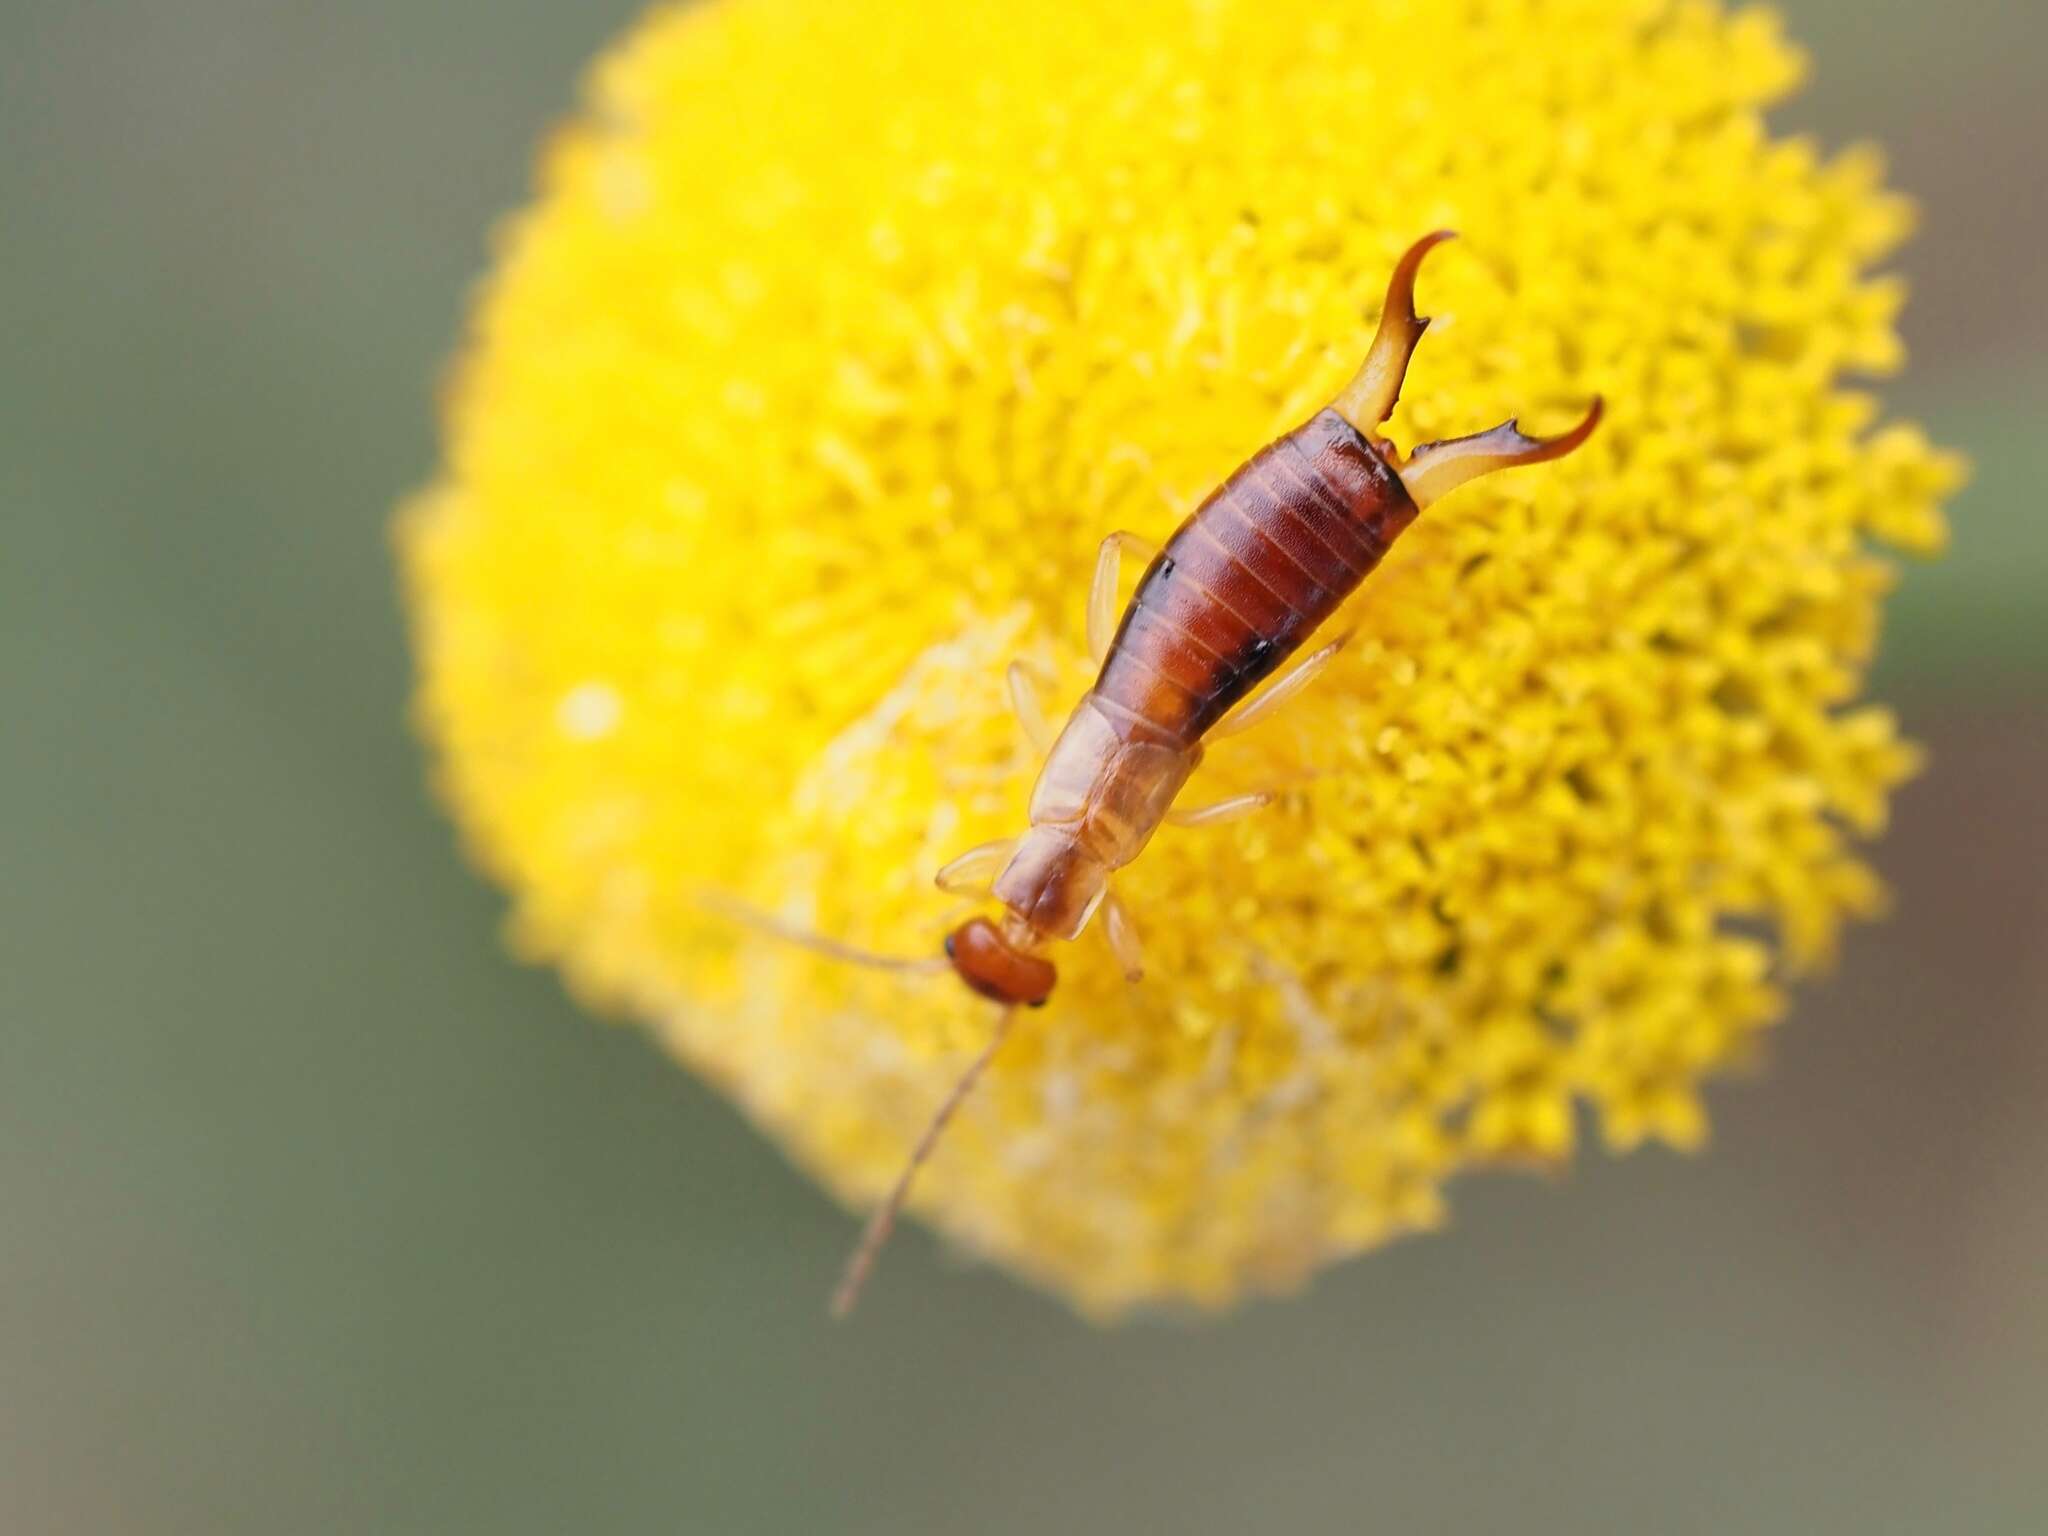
{"x": 841, "y": 332}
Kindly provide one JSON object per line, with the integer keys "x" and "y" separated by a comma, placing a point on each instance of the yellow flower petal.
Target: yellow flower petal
{"x": 840, "y": 333}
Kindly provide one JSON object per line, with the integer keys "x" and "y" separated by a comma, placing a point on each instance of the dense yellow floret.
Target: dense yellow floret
{"x": 840, "y": 333}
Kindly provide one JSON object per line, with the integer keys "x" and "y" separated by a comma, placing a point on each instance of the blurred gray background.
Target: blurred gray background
{"x": 316, "y": 1214}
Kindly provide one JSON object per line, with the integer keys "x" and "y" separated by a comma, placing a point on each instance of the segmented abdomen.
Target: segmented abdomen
{"x": 1248, "y": 577}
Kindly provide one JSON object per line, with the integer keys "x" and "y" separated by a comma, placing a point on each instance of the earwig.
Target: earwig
{"x": 1237, "y": 590}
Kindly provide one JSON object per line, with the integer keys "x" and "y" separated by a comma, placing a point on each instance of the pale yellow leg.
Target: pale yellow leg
{"x": 1124, "y": 943}
{"x": 1102, "y": 608}
{"x": 1030, "y": 712}
{"x": 975, "y": 870}
{"x": 1221, "y": 810}
{"x": 1289, "y": 683}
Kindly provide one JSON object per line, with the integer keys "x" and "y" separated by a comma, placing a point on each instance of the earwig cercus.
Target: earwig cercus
{"x": 1236, "y": 591}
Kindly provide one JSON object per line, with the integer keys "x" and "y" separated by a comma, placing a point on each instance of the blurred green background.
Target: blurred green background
{"x": 316, "y": 1214}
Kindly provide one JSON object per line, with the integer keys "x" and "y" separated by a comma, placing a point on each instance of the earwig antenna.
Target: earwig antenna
{"x": 763, "y": 922}
{"x": 883, "y": 1221}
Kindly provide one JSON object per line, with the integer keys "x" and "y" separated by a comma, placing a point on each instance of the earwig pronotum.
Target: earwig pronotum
{"x": 1252, "y": 573}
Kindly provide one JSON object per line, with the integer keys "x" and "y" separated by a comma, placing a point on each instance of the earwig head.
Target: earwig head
{"x": 996, "y": 968}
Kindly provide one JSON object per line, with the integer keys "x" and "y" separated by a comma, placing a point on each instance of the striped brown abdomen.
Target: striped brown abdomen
{"x": 1250, "y": 576}
{"x": 1237, "y": 589}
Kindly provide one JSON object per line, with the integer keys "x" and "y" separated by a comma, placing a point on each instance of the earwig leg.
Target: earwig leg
{"x": 975, "y": 870}
{"x": 1290, "y": 682}
{"x": 1369, "y": 398}
{"x": 1102, "y": 594}
{"x": 1024, "y": 702}
{"x": 1434, "y": 470}
{"x": 1123, "y": 938}
{"x": 1221, "y": 810}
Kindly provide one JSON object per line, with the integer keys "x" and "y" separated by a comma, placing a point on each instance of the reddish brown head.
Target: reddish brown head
{"x": 996, "y": 968}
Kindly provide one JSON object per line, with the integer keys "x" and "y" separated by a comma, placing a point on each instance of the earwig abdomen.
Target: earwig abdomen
{"x": 1257, "y": 568}
{"x": 1248, "y": 577}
